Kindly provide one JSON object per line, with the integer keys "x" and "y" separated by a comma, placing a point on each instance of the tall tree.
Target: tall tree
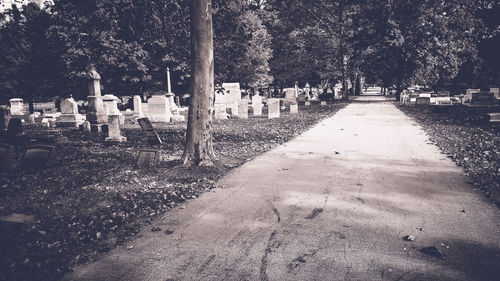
{"x": 198, "y": 148}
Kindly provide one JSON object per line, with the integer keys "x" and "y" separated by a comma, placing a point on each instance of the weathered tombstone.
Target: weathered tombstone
{"x": 307, "y": 103}
{"x": 15, "y": 127}
{"x": 138, "y": 106}
{"x": 7, "y": 156}
{"x": 483, "y": 98}
{"x": 323, "y": 103}
{"x": 443, "y": 93}
{"x": 17, "y": 107}
{"x": 111, "y": 103}
{"x": 45, "y": 123}
{"x": 39, "y": 156}
{"x": 151, "y": 134}
{"x": 220, "y": 111}
{"x": 294, "y": 109}
{"x": 147, "y": 158}
{"x": 423, "y": 101}
{"x": 290, "y": 97}
{"x": 243, "y": 109}
{"x": 232, "y": 94}
{"x": 273, "y": 108}
{"x": 257, "y": 105}
{"x": 86, "y": 127}
{"x": 307, "y": 91}
{"x": 95, "y": 112}
{"x": 158, "y": 109}
{"x": 426, "y": 95}
{"x": 69, "y": 114}
{"x": 114, "y": 133}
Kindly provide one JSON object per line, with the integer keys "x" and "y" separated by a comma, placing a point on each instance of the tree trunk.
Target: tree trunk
{"x": 198, "y": 148}
{"x": 357, "y": 90}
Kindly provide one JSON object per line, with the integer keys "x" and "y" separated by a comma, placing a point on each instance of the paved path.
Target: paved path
{"x": 333, "y": 204}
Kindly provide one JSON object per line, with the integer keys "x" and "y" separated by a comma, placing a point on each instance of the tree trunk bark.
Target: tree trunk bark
{"x": 198, "y": 148}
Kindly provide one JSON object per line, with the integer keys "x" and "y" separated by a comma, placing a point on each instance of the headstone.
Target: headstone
{"x": 323, "y": 103}
{"x": 257, "y": 105}
{"x": 494, "y": 117}
{"x": 231, "y": 97}
{"x": 307, "y": 91}
{"x": 220, "y": 111}
{"x": 273, "y": 108}
{"x": 290, "y": 97}
{"x": 294, "y": 109}
{"x": 138, "y": 106}
{"x": 443, "y": 93}
{"x": 483, "y": 98}
{"x": 114, "y": 133}
{"x": 426, "y": 95}
{"x": 69, "y": 114}
{"x": 147, "y": 158}
{"x": 151, "y": 134}
{"x": 45, "y": 107}
{"x": 17, "y": 107}
{"x": 95, "y": 112}
{"x": 233, "y": 108}
{"x": 45, "y": 123}
{"x": 15, "y": 127}
{"x": 7, "y": 156}
{"x": 243, "y": 109}
{"x": 423, "y": 101}
{"x": 307, "y": 103}
{"x": 469, "y": 92}
{"x": 39, "y": 156}
{"x": 158, "y": 109}
{"x": 178, "y": 101}
{"x": 86, "y": 127}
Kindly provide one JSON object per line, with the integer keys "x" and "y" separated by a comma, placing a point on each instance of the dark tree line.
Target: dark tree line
{"x": 260, "y": 43}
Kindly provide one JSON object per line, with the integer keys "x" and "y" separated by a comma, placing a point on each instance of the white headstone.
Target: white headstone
{"x": 273, "y": 108}
{"x": 496, "y": 92}
{"x": 111, "y": 103}
{"x": 294, "y": 109}
{"x": 220, "y": 111}
{"x": 114, "y": 133}
{"x": 69, "y": 114}
{"x": 243, "y": 109}
{"x": 158, "y": 109}
{"x": 257, "y": 105}
{"x": 69, "y": 106}
{"x": 138, "y": 106}
{"x": 17, "y": 107}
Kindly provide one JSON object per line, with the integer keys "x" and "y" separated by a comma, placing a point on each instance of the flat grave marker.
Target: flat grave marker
{"x": 39, "y": 156}
{"x": 147, "y": 158}
{"x": 147, "y": 128}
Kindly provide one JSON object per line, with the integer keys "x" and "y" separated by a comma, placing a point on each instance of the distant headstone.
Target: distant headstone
{"x": 17, "y": 107}
{"x": 39, "y": 156}
{"x": 290, "y": 95}
{"x": 423, "y": 101}
{"x": 323, "y": 103}
{"x": 307, "y": 103}
{"x": 158, "y": 109}
{"x": 151, "y": 134}
{"x": 147, "y": 158}
{"x": 69, "y": 114}
{"x": 15, "y": 127}
{"x": 483, "y": 98}
{"x": 273, "y": 108}
{"x": 4, "y": 117}
{"x": 138, "y": 106}
{"x": 294, "y": 109}
{"x": 220, "y": 111}
{"x": 443, "y": 93}
{"x": 7, "y": 156}
{"x": 231, "y": 96}
{"x": 257, "y": 105}
{"x": 86, "y": 126}
{"x": 114, "y": 133}
{"x": 243, "y": 109}
{"x": 426, "y": 95}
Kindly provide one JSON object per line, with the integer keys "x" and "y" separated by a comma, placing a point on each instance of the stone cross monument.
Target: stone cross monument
{"x": 95, "y": 113}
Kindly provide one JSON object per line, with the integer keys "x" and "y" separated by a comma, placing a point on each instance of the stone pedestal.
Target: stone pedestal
{"x": 95, "y": 113}
{"x": 176, "y": 117}
{"x": 114, "y": 133}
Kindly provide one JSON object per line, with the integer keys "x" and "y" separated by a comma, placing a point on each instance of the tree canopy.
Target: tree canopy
{"x": 259, "y": 43}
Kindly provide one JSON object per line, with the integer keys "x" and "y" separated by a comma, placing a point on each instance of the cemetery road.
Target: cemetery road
{"x": 333, "y": 204}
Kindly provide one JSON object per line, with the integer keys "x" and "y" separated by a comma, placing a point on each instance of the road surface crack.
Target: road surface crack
{"x": 272, "y": 244}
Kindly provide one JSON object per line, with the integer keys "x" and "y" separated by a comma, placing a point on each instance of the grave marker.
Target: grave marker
{"x": 151, "y": 134}
{"x": 483, "y": 98}
{"x": 158, "y": 109}
{"x": 39, "y": 156}
{"x": 273, "y": 108}
{"x": 257, "y": 105}
{"x": 294, "y": 109}
{"x": 7, "y": 156}
{"x": 114, "y": 133}
{"x": 243, "y": 109}
{"x": 423, "y": 101}
{"x": 147, "y": 158}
